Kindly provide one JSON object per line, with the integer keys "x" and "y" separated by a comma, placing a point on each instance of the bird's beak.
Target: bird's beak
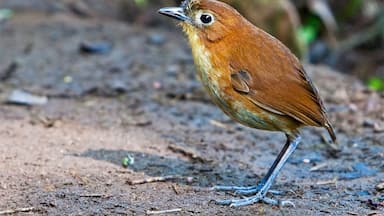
{"x": 175, "y": 12}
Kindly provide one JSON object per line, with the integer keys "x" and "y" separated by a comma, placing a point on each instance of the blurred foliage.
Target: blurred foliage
{"x": 141, "y": 3}
{"x": 350, "y": 10}
{"x": 376, "y": 83}
{"x": 345, "y": 34}
{"x": 309, "y": 31}
{"x": 297, "y": 23}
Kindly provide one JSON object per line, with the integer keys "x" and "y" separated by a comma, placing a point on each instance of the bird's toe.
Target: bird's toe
{"x": 234, "y": 188}
{"x": 244, "y": 191}
{"x": 255, "y": 199}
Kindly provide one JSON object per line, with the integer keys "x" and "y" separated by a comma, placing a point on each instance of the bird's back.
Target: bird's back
{"x": 278, "y": 80}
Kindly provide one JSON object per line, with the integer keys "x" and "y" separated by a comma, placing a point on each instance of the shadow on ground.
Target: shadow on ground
{"x": 204, "y": 174}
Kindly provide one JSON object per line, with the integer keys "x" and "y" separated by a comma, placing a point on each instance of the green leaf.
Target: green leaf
{"x": 128, "y": 161}
{"x": 310, "y": 30}
{"x": 376, "y": 83}
{"x": 306, "y": 34}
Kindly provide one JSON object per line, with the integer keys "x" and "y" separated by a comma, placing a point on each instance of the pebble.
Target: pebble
{"x": 21, "y": 97}
{"x": 118, "y": 86}
{"x": 380, "y": 187}
{"x": 157, "y": 85}
{"x": 101, "y": 47}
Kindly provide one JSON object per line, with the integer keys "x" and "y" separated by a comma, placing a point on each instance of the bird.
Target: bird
{"x": 254, "y": 79}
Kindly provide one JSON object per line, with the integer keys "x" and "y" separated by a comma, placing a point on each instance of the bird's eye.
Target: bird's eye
{"x": 206, "y": 18}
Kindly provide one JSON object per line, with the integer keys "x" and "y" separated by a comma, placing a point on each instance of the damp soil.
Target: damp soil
{"x": 138, "y": 100}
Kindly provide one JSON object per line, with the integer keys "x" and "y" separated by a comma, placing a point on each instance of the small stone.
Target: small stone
{"x": 172, "y": 70}
{"x": 353, "y": 107}
{"x": 378, "y": 128}
{"x": 369, "y": 123}
{"x": 157, "y": 85}
{"x": 101, "y": 47}
{"x": 318, "y": 52}
{"x": 380, "y": 187}
{"x": 21, "y": 97}
{"x": 118, "y": 86}
{"x": 67, "y": 79}
{"x": 80, "y": 9}
{"x": 190, "y": 180}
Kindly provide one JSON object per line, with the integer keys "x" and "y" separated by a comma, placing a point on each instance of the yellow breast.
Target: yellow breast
{"x": 207, "y": 73}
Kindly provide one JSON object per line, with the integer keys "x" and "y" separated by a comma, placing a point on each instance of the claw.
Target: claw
{"x": 248, "y": 201}
{"x": 253, "y": 200}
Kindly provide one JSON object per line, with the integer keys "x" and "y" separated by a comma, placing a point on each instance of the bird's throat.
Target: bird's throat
{"x": 206, "y": 70}
{"x": 202, "y": 58}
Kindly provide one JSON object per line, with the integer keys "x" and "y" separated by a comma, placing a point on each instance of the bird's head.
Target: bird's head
{"x": 210, "y": 20}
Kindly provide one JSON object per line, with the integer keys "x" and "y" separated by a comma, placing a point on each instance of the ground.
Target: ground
{"x": 141, "y": 100}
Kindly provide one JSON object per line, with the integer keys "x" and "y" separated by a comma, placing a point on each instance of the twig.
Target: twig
{"x": 318, "y": 167}
{"x": 164, "y": 211}
{"x": 124, "y": 171}
{"x": 82, "y": 180}
{"x": 18, "y": 210}
{"x": 12, "y": 68}
{"x": 187, "y": 152}
{"x": 92, "y": 195}
{"x": 219, "y": 124}
{"x": 333, "y": 181}
{"x": 174, "y": 188}
{"x": 154, "y": 179}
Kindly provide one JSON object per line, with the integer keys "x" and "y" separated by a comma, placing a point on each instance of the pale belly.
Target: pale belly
{"x": 236, "y": 106}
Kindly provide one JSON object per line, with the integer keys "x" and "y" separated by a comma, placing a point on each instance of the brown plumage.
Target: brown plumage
{"x": 251, "y": 76}
{"x": 278, "y": 82}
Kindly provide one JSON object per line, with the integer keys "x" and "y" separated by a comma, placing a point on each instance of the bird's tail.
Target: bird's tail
{"x": 331, "y": 131}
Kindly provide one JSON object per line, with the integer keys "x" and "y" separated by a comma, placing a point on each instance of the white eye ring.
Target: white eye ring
{"x": 204, "y": 18}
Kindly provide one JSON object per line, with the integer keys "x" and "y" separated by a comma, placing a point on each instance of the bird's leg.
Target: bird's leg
{"x": 262, "y": 188}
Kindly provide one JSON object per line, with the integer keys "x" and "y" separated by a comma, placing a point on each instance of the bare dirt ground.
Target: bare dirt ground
{"x": 142, "y": 99}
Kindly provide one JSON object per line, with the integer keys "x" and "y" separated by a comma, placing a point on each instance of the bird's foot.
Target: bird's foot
{"x": 246, "y": 191}
{"x": 259, "y": 197}
{"x": 238, "y": 190}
